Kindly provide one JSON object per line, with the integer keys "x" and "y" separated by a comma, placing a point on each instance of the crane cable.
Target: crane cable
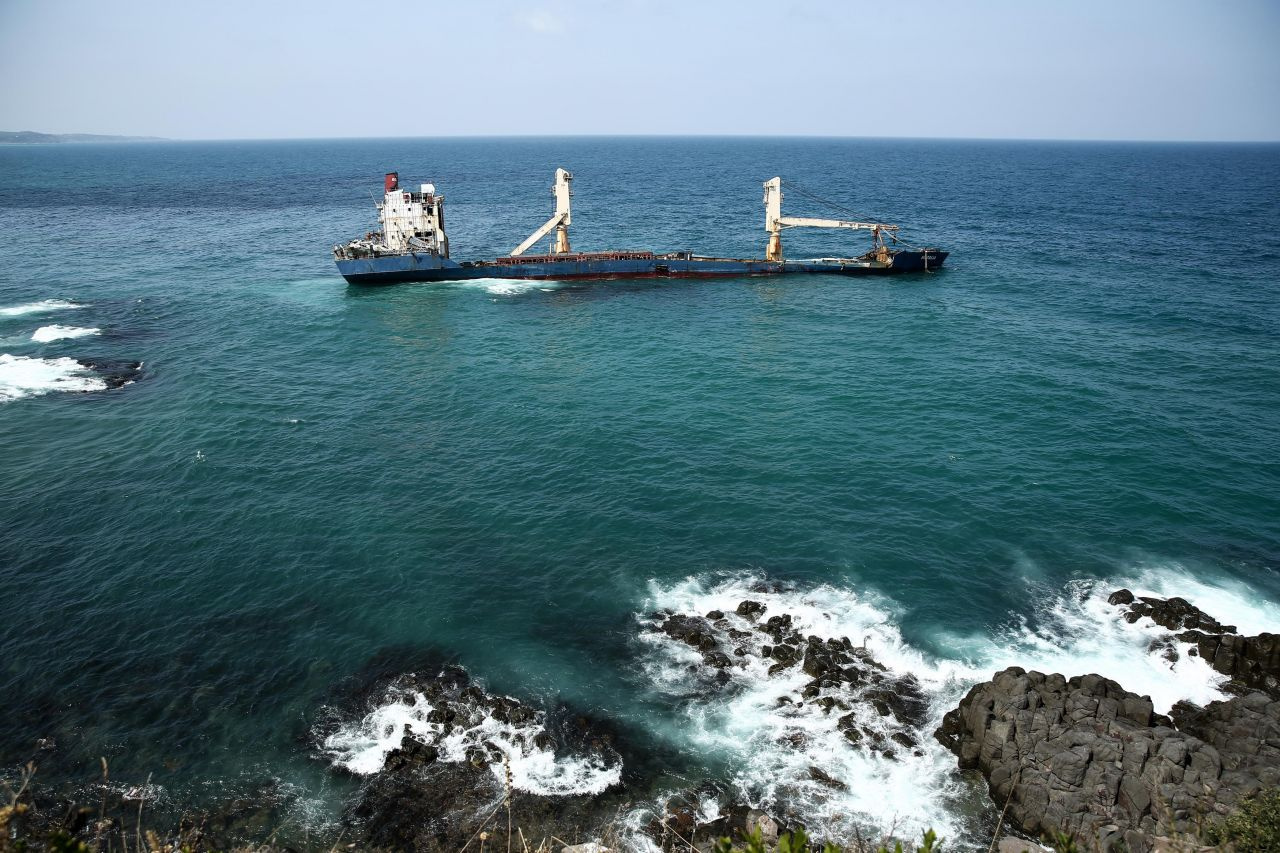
{"x": 896, "y": 237}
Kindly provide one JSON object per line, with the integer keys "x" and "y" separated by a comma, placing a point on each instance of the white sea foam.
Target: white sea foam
{"x": 44, "y": 305}
{"x": 771, "y": 747}
{"x": 509, "y": 286}
{"x": 21, "y": 376}
{"x": 362, "y": 747}
{"x": 45, "y": 334}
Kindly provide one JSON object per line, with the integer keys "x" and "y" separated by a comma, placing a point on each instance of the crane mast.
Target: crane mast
{"x": 559, "y": 222}
{"x": 774, "y": 222}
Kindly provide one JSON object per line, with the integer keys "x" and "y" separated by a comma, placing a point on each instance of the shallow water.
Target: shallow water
{"x": 956, "y": 467}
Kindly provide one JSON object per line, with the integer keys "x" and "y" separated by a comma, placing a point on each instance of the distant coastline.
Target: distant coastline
{"x": 17, "y": 137}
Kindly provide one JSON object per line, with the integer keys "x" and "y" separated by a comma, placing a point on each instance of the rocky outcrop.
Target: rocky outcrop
{"x": 1176, "y": 614}
{"x": 1084, "y": 755}
{"x": 1252, "y": 663}
{"x": 452, "y": 770}
{"x": 843, "y": 679}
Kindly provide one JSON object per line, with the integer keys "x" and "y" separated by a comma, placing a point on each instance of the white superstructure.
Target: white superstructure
{"x": 412, "y": 221}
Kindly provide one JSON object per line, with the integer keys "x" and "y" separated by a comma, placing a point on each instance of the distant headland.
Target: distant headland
{"x": 31, "y": 136}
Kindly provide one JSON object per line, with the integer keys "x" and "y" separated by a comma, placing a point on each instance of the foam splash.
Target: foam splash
{"x": 21, "y": 376}
{"x": 362, "y": 748}
{"x": 45, "y": 334}
{"x": 40, "y": 307}
{"x": 1080, "y": 633}
{"x": 772, "y": 749}
{"x": 509, "y": 286}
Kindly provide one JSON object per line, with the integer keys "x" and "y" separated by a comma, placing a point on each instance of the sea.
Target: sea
{"x": 235, "y": 489}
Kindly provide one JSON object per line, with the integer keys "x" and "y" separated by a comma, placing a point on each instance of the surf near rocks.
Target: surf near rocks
{"x": 1251, "y": 663}
{"x": 840, "y": 675}
{"x": 807, "y": 702}
{"x": 440, "y": 754}
{"x": 1085, "y": 756}
{"x": 23, "y": 376}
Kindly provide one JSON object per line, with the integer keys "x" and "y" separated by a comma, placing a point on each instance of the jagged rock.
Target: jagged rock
{"x": 750, "y": 609}
{"x": 424, "y": 798}
{"x": 719, "y": 660}
{"x": 1176, "y": 614}
{"x": 1086, "y": 756}
{"x": 1252, "y": 663}
{"x": 691, "y": 630}
{"x": 785, "y": 655}
{"x": 412, "y": 752}
{"x": 903, "y": 698}
{"x": 825, "y": 779}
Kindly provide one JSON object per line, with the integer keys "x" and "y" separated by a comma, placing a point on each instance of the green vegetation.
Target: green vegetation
{"x": 799, "y": 842}
{"x": 1252, "y": 828}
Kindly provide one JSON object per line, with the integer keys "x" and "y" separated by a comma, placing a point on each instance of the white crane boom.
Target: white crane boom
{"x": 774, "y": 222}
{"x": 560, "y": 221}
{"x": 809, "y": 222}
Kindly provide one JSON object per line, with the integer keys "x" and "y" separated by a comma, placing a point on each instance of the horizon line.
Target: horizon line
{"x": 151, "y": 139}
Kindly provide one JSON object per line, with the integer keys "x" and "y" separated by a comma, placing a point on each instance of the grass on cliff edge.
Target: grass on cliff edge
{"x": 1254, "y": 827}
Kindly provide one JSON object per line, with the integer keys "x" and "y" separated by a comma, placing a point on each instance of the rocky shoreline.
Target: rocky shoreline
{"x": 440, "y": 759}
{"x": 1087, "y": 757}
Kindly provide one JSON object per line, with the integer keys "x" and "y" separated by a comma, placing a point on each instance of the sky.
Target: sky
{"x": 1018, "y": 69}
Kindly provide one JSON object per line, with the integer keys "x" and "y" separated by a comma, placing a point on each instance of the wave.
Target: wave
{"x": 21, "y": 376}
{"x": 362, "y": 747}
{"x": 793, "y": 758}
{"x": 45, "y": 334}
{"x": 40, "y": 307}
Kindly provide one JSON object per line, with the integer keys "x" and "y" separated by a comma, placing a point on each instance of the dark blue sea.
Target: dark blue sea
{"x": 233, "y": 486}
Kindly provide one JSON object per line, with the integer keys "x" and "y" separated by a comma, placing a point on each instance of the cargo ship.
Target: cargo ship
{"x": 412, "y": 246}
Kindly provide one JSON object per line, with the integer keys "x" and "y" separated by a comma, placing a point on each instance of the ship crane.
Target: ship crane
{"x": 774, "y": 222}
{"x": 559, "y": 222}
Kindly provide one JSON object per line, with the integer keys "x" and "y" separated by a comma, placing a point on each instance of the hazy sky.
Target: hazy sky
{"x": 1111, "y": 69}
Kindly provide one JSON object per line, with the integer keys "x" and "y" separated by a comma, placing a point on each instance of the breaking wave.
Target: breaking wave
{"x": 362, "y": 747}
{"x": 792, "y": 758}
{"x": 45, "y": 334}
{"x": 40, "y": 307}
{"x": 21, "y": 376}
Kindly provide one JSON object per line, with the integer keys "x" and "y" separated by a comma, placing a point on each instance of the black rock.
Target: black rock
{"x": 411, "y": 753}
{"x": 1176, "y": 614}
{"x": 825, "y": 779}
{"x": 1084, "y": 754}
{"x": 1120, "y": 596}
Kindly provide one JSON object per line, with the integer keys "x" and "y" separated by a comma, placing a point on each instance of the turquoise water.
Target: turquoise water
{"x": 308, "y": 476}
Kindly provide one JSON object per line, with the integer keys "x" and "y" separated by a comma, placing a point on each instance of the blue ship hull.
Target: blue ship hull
{"x": 424, "y": 266}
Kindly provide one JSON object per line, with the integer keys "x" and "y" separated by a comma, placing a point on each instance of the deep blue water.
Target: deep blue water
{"x": 308, "y": 476}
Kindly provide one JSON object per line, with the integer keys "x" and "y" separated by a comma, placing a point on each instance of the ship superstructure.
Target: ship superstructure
{"x": 412, "y": 246}
{"x": 411, "y": 222}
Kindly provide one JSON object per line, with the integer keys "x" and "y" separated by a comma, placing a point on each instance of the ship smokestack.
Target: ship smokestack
{"x": 392, "y": 181}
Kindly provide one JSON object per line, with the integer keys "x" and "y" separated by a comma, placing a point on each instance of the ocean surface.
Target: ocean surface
{"x": 305, "y": 485}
